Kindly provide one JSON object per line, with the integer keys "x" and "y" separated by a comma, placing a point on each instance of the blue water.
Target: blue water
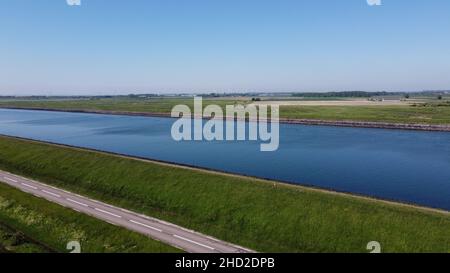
{"x": 409, "y": 166}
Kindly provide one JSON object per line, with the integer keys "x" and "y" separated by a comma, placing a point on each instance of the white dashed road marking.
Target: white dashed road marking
{"x": 76, "y": 202}
{"x": 51, "y": 193}
{"x": 29, "y": 186}
{"x": 144, "y": 225}
{"x": 194, "y": 242}
{"x": 10, "y": 179}
{"x": 107, "y": 212}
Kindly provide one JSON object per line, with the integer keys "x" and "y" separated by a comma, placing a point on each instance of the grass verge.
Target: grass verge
{"x": 259, "y": 215}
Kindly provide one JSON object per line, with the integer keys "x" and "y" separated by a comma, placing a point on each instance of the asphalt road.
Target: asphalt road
{"x": 168, "y": 233}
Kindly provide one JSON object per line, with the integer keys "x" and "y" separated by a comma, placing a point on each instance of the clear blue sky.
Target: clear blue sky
{"x": 142, "y": 46}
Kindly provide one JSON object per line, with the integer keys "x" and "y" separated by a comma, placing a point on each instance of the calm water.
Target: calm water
{"x": 391, "y": 164}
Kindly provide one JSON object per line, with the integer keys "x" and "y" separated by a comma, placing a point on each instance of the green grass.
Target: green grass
{"x": 13, "y": 241}
{"x": 156, "y": 105}
{"x": 431, "y": 113}
{"x": 249, "y": 212}
{"x": 52, "y": 226}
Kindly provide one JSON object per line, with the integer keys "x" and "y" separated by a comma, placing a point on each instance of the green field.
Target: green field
{"x": 156, "y": 105}
{"x": 51, "y": 227}
{"x": 424, "y": 114}
{"x": 427, "y": 113}
{"x": 256, "y": 214}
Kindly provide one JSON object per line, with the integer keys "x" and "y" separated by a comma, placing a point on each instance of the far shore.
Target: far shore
{"x": 338, "y": 123}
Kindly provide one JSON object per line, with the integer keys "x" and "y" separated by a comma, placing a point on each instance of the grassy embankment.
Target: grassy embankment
{"x": 51, "y": 227}
{"x": 430, "y": 113}
{"x": 13, "y": 241}
{"x": 256, "y": 214}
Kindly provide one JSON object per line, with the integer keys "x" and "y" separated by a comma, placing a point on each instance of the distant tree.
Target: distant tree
{"x": 344, "y": 94}
{"x": 440, "y": 97}
{"x": 407, "y": 96}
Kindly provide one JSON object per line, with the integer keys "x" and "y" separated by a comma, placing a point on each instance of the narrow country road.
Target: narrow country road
{"x": 168, "y": 233}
